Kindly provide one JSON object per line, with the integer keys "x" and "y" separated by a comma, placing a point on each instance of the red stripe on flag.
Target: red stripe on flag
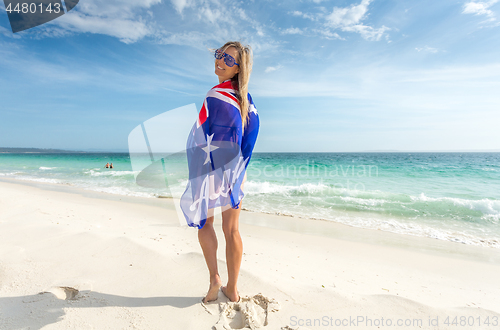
{"x": 230, "y": 96}
{"x": 202, "y": 117}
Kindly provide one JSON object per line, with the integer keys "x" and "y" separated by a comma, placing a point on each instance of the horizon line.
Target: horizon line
{"x": 33, "y": 149}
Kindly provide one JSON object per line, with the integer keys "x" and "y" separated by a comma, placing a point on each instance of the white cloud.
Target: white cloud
{"x": 272, "y": 68}
{"x": 327, "y": 34}
{"x": 349, "y": 19}
{"x": 121, "y": 19}
{"x": 259, "y": 28}
{"x": 8, "y": 33}
{"x": 205, "y": 22}
{"x": 427, "y": 49}
{"x": 476, "y": 8}
{"x": 196, "y": 23}
{"x": 292, "y": 30}
{"x": 367, "y": 32}
{"x": 128, "y": 31}
{"x": 115, "y": 8}
{"x": 348, "y": 16}
{"x": 179, "y": 5}
{"x": 193, "y": 38}
{"x": 303, "y": 15}
{"x": 213, "y": 15}
{"x": 479, "y": 8}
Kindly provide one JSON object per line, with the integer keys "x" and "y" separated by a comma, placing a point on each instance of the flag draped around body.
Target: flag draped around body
{"x": 218, "y": 153}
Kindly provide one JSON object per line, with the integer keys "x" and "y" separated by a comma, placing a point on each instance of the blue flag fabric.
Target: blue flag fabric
{"x": 218, "y": 153}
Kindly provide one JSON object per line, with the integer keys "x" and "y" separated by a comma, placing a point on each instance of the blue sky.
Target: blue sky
{"x": 363, "y": 75}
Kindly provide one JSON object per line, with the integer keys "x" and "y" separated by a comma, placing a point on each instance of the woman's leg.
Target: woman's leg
{"x": 234, "y": 251}
{"x": 208, "y": 242}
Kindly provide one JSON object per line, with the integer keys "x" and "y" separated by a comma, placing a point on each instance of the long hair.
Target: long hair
{"x": 241, "y": 79}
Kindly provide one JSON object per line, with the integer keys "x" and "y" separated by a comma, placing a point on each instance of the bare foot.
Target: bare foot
{"x": 213, "y": 290}
{"x": 233, "y": 296}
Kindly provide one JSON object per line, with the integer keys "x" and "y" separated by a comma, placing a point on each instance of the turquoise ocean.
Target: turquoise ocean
{"x": 447, "y": 196}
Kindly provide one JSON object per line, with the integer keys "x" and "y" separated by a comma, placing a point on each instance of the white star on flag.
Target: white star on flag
{"x": 208, "y": 149}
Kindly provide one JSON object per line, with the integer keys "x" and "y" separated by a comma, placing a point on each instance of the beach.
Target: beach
{"x": 79, "y": 259}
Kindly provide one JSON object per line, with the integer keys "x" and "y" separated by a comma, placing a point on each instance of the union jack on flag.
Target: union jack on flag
{"x": 218, "y": 153}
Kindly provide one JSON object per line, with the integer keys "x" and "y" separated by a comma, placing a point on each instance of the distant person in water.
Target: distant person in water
{"x": 107, "y": 165}
{"x": 111, "y": 165}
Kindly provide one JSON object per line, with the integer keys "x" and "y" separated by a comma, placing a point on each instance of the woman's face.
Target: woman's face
{"x": 222, "y": 70}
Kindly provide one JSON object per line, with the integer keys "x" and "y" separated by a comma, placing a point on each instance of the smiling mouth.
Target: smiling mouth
{"x": 219, "y": 67}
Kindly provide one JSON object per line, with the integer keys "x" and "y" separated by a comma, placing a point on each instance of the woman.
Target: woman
{"x": 228, "y": 118}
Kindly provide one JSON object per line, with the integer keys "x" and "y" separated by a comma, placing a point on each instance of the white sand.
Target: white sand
{"x": 135, "y": 268}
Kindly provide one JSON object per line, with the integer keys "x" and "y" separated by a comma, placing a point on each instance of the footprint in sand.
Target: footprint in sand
{"x": 248, "y": 313}
{"x": 63, "y": 292}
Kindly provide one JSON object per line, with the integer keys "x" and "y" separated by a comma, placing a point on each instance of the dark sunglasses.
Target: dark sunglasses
{"x": 228, "y": 59}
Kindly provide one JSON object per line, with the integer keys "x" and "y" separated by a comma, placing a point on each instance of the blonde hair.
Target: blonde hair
{"x": 241, "y": 79}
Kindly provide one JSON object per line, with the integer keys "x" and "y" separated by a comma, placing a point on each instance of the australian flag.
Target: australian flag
{"x": 218, "y": 153}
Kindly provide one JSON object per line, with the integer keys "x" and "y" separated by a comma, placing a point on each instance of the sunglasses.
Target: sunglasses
{"x": 228, "y": 59}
